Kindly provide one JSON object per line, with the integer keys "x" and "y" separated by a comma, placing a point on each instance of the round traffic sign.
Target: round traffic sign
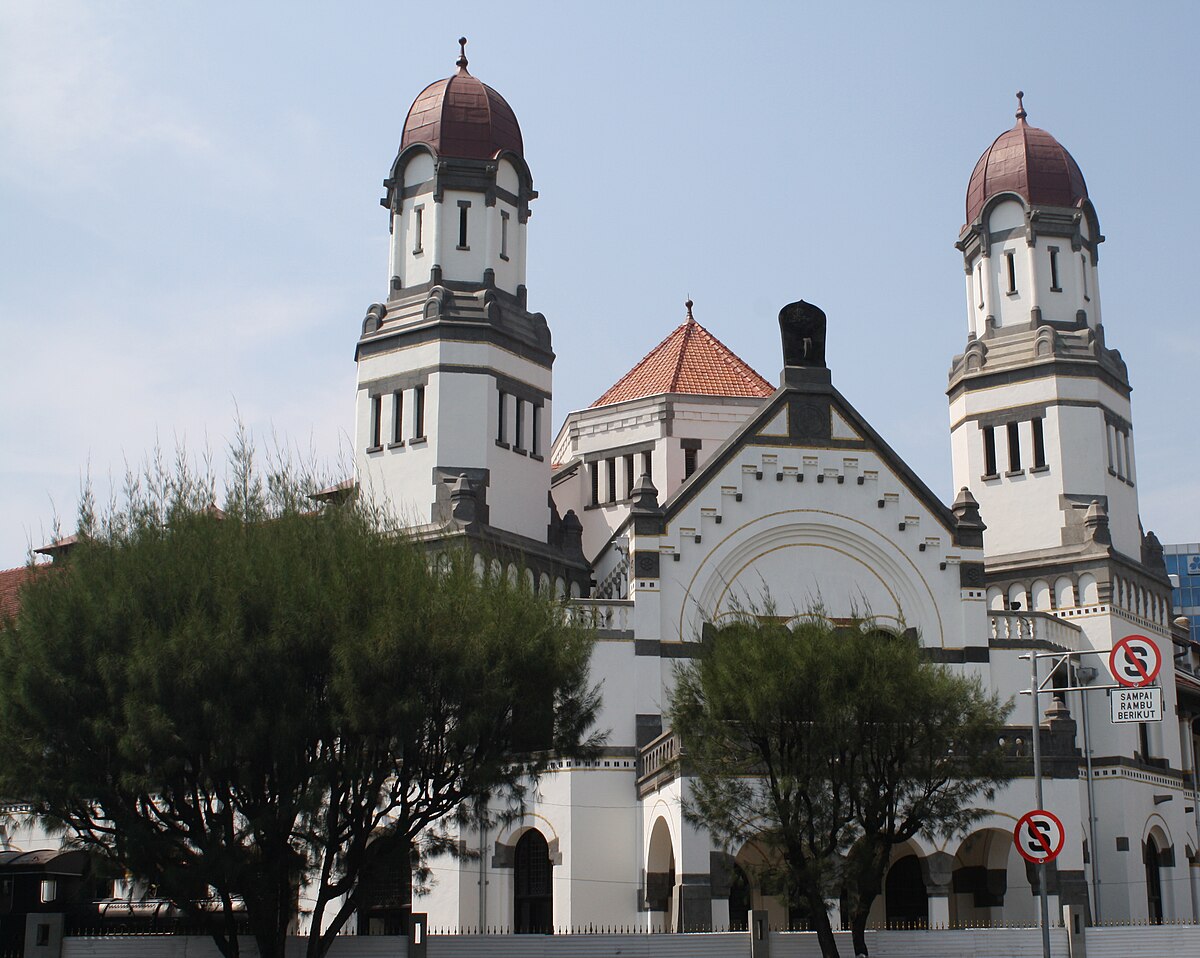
{"x": 1135, "y": 661}
{"x": 1039, "y": 836}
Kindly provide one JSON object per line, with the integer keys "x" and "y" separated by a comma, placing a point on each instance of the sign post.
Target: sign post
{"x": 1135, "y": 662}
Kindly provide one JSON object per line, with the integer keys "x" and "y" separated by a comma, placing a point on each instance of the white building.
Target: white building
{"x": 694, "y": 481}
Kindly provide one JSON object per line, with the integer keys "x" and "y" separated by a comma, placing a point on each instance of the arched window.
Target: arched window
{"x": 533, "y": 892}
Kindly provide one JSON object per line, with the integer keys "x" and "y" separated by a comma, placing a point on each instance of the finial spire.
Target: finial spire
{"x": 1021, "y": 114}
{"x": 688, "y": 304}
{"x": 461, "y": 63}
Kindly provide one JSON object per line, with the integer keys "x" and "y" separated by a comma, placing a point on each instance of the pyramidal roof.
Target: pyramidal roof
{"x": 690, "y": 360}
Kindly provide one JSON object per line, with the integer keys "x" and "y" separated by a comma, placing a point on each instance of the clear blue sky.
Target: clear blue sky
{"x": 189, "y": 216}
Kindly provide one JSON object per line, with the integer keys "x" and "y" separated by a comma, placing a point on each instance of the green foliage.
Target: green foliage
{"x": 828, "y": 745}
{"x": 274, "y": 695}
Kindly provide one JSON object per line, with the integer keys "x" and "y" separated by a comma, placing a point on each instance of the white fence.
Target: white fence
{"x": 1143, "y": 941}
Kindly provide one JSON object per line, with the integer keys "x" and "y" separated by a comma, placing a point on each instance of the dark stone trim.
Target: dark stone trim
{"x": 453, "y": 330}
{"x": 1013, "y": 472}
{"x": 400, "y": 381}
{"x": 971, "y": 575}
{"x": 973, "y": 653}
{"x": 691, "y": 444}
{"x": 648, "y": 727}
{"x": 1036, "y": 470}
{"x": 374, "y": 449}
{"x": 632, "y": 449}
{"x": 646, "y": 564}
{"x": 396, "y": 445}
{"x": 1065, "y": 368}
{"x": 1031, "y": 411}
{"x": 666, "y": 650}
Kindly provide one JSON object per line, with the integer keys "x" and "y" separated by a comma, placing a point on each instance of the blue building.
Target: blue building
{"x": 1183, "y": 565}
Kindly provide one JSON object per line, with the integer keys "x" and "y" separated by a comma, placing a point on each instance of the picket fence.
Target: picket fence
{"x": 1142, "y": 941}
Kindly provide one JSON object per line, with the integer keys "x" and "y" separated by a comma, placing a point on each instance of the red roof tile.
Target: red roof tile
{"x": 691, "y": 360}
{"x": 11, "y": 581}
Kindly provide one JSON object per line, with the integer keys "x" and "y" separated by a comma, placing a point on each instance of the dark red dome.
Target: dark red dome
{"x": 461, "y": 116}
{"x": 1027, "y": 161}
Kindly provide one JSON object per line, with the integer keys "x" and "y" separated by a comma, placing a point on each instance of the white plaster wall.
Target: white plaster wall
{"x": 663, "y": 420}
{"x": 1023, "y": 512}
{"x": 614, "y": 666}
{"x": 461, "y": 410}
{"x": 413, "y": 268}
{"x": 463, "y": 265}
{"x": 809, "y": 542}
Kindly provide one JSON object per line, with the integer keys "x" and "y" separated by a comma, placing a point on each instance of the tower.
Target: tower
{"x": 1041, "y": 427}
{"x": 454, "y": 373}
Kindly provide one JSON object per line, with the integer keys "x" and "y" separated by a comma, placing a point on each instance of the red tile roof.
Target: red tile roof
{"x": 690, "y": 360}
{"x": 11, "y": 581}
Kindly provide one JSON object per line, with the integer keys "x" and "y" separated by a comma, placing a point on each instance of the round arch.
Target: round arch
{"x": 810, "y": 557}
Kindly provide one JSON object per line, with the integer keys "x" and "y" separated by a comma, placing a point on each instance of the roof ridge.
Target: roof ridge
{"x": 692, "y": 362}
{"x": 736, "y": 363}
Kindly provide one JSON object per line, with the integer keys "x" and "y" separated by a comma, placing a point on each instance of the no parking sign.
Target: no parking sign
{"x": 1135, "y": 661}
{"x": 1039, "y": 836}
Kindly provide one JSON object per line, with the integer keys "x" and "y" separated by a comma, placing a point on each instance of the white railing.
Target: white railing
{"x": 610, "y": 615}
{"x": 1034, "y": 627}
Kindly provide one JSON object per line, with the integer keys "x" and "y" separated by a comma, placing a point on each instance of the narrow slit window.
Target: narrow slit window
{"x": 504, "y": 234}
{"x": 630, "y": 480}
{"x": 502, "y": 418}
{"x": 1128, "y": 458}
{"x": 1010, "y": 265}
{"x": 611, "y": 469}
{"x": 1110, "y": 434}
{"x": 595, "y": 470}
{"x": 647, "y": 465}
{"x": 376, "y": 416}
{"x": 519, "y": 425}
{"x": 398, "y": 415}
{"x": 1054, "y": 287}
{"x": 689, "y": 462}
{"x": 1083, "y": 268}
{"x": 535, "y": 429}
{"x": 1039, "y": 445}
{"x": 463, "y": 207}
{"x": 989, "y": 450}
{"x": 1014, "y": 447}
{"x": 418, "y": 228}
{"x": 419, "y": 412}
{"x": 979, "y": 284}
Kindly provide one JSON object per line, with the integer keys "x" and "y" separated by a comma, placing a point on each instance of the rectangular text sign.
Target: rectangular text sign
{"x": 1137, "y": 705}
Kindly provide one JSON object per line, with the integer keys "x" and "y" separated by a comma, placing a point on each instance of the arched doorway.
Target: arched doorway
{"x": 533, "y": 890}
{"x": 1154, "y": 892}
{"x": 904, "y": 894}
{"x": 660, "y": 877}
{"x": 740, "y": 892}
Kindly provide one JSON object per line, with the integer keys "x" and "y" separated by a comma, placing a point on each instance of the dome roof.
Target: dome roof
{"x": 461, "y": 116}
{"x": 1029, "y": 162}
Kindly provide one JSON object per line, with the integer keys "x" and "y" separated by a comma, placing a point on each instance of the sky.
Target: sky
{"x": 190, "y": 230}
